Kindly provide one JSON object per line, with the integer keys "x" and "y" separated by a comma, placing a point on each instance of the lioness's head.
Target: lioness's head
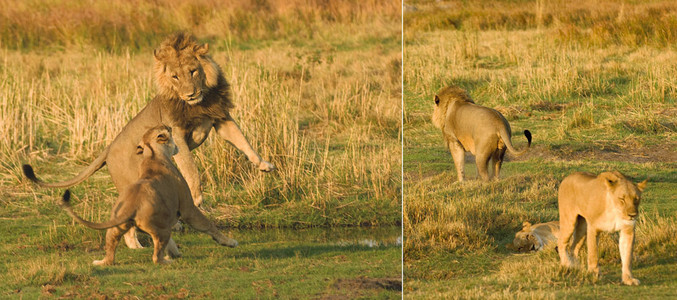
{"x": 445, "y": 97}
{"x": 183, "y": 68}
{"x": 624, "y": 194}
{"x": 525, "y": 240}
{"x": 157, "y": 139}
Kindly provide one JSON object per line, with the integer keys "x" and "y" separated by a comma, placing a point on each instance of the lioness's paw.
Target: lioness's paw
{"x": 630, "y": 281}
{"x": 266, "y": 166}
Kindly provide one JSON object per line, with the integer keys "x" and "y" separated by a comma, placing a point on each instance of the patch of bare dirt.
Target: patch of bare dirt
{"x": 627, "y": 152}
{"x": 348, "y": 288}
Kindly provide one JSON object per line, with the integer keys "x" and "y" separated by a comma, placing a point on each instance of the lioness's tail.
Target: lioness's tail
{"x": 508, "y": 143}
{"x": 84, "y": 174}
{"x": 65, "y": 204}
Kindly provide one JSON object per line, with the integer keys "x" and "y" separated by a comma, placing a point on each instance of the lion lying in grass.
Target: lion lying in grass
{"x": 153, "y": 203}
{"x": 468, "y": 127}
{"x": 535, "y": 237}
{"x": 589, "y": 204}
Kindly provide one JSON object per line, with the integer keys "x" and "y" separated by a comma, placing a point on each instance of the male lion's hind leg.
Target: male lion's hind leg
{"x": 113, "y": 236}
{"x": 132, "y": 240}
{"x": 197, "y": 220}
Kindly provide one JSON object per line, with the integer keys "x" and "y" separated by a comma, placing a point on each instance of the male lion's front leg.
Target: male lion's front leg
{"x": 625, "y": 244}
{"x": 188, "y": 168}
{"x": 230, "y": 132}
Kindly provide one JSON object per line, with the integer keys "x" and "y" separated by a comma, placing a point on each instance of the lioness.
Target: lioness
{"x": 589, "y": 204}
{"x": 154, "y": 203}
{"x": 535, "y": 237}
{"x": 466, "y": 126}
{"x": 193, "y": 98}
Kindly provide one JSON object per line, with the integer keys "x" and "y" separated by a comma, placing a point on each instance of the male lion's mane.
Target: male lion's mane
{"x": 445, "y": 98}
{"x": 216, "y": 101}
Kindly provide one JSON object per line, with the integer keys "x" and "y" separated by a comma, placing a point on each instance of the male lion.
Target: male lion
{"x": 535, "y": 237}
{"x": 589, "y": 204}
{"x": 153, "y": 203}
{"x": 466, "y": 126}
{"x": 193, "y": 98}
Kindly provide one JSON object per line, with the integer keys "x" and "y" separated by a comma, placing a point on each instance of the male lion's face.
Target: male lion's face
{"x": 186, "y": 77}
{"x": 624, "y": 195}
{"x": 184, "y": 70}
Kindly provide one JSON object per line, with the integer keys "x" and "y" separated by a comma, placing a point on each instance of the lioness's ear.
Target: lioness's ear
{"x": 526, "y": 225}
{"x": 610, "y": 179}
{"x": 642, "y": 185}
{"x": 437, "y": 100}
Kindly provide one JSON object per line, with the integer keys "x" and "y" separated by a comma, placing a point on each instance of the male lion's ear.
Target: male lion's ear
{"x": 642, "y": 185}
{"x": 201, "y": 49}
{"x": 437, "y": 100}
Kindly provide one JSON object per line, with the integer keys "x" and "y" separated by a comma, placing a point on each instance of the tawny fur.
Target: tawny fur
{"x": 154, "y": 202}
{"x": 193, "y": 98}
{"x": 468, "y": 127}
{"x": 535, "y": 237}
{"x": 589, "y": 204}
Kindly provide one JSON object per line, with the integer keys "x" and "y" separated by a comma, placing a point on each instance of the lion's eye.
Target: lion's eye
{"x": 193, "y": 72}
{"x": 175, "y": 77}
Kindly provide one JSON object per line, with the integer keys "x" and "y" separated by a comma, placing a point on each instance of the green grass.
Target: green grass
{"x": 317, "y": 90}
{"x": 44, "y": 254}
{"x": 590, "y": 106}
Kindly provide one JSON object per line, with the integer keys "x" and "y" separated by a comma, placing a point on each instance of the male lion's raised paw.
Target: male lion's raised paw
{"x": 266, "y": 166}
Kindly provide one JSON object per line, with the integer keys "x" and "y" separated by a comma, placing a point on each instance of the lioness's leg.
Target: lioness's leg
{"x": 113, "y": 236}
{"x": 230, "y": 132}
{"x": 458, "y": 154}
{"x": 188, "y": 168}
{"x": 565, "y": 232}
{"x": 625, "y": 244}
{"x": 193, "y": 216}
{"x": 160, "y": 240}
{"x": 592, "y": 250}
{"x": 580, "y": 232}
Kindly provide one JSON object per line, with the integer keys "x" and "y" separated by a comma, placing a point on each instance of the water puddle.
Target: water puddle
{"x": 371, "y": 237}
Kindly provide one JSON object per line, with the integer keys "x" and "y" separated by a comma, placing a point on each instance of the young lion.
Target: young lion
{"x": 466, "y": 126}
{"x": 589, "y": 204}
{"x": 154, "y": 203}
{"x": 535, "y": 237}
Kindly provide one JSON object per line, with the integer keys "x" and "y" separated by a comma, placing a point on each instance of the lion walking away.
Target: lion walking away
{"x": 468, "y": 127}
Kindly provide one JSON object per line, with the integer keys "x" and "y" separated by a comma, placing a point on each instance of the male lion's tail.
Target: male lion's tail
{"x": 65, "y": 204}
{"x": 84, "y": 174}
{"x": 506, "y": 140}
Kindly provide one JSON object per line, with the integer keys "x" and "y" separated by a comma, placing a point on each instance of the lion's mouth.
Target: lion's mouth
{"x": 194, "y": 100}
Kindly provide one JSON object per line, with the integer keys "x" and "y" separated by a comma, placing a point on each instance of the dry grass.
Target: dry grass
{"x": 326, "y": 112}
{"x": 137, "y": 24}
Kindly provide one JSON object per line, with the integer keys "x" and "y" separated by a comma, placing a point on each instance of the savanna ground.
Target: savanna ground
{"x": 595, "y": 84}
{"x": 317, "y": 89}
